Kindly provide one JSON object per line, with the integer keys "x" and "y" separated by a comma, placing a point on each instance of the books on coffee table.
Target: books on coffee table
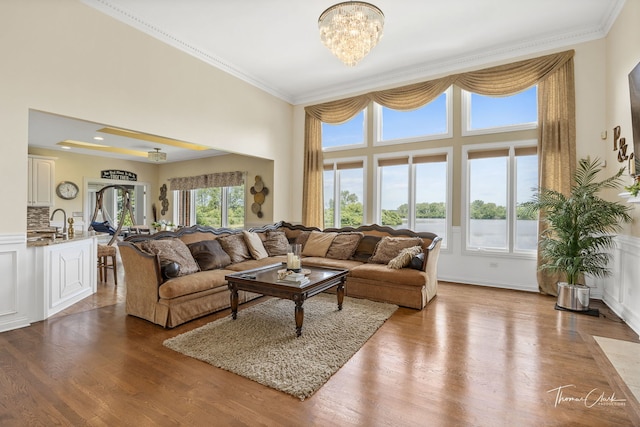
{"x": 297, "y": 278}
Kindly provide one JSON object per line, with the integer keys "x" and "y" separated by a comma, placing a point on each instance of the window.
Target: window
{"x": 344, "y": 183}
{"x": 347, "y": 135}
{"x": 213, "y": 206}
{"x": 414, "y": 191}
{"x": 490, "y": 114}
{"x": 428, "y": 122}
{"x": 498, "y": 179}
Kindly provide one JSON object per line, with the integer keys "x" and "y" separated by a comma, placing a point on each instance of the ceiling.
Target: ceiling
{"x": 274, "y": 45}
{"x": 55, "y": 132}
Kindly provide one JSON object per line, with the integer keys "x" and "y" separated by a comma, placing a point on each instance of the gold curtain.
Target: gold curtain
{"x": 556, "y": 146}
{"x": 556, "y": 120}
{"x": 312, "y": 204}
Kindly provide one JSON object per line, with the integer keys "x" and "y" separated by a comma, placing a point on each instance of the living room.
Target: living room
{"x": 72, "y": 60}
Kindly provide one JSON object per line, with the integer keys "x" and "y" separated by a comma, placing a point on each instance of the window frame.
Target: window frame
{"x": 336, "y": 186}
{"x": 365, "y": 136}
{"x": 511, "y": 219}
{"x": 466, "y": 119}
{"x": 377, "y": 196}
{"x": 378, "y": 123}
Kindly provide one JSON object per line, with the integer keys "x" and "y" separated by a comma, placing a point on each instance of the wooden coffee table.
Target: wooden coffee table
{"x": 265, "y": 281}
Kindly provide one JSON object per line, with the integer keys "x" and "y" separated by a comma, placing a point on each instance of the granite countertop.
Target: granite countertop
{"x": 48, "y": 237}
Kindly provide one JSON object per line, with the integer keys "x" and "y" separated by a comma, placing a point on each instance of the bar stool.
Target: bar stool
{"x": 104, "y": 253}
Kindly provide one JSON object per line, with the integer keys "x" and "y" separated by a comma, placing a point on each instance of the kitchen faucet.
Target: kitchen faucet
{"x": 64, "y": 225}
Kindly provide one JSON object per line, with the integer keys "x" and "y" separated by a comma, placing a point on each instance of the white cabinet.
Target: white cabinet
{"x": 64, "y": 274}
{"x": 42, "y": 175}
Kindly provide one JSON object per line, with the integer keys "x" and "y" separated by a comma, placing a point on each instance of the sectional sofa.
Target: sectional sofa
{"x": 174, "y": 277}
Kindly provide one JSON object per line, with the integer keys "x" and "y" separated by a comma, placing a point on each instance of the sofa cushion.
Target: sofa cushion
{"x": 382, "y": 273}
{"x": 404, "y": 257}
{"x": 318, "y": 243}
{"x": 313, "y": 261}
{"x": 193, "y": 283}
{"x": 256, "y": 263}
{"x": 209, "y": 254}
{"x": 254, "y": 244}
{"x": 389, "y": 247}
{"x": 172, "y": 250}
{"x": 235, "y": 246}
{"x": 276, "y": 243}
{"x": 344, "y": 245}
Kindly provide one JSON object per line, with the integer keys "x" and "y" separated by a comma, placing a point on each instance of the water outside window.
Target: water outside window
{"x": 394, "y": 195}
{"x": 487, "y": 203}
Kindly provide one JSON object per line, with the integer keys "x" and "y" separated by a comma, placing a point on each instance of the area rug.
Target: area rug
{"x": 262, "y": 345}
{"x": 623, "y": 355}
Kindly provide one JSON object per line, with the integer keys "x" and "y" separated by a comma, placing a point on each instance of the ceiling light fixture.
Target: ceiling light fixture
{"x": 157, "y": 156}
{"x": 351, "y": 29}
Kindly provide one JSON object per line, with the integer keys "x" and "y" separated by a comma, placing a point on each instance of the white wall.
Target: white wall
{"x": 66, "y": 58}
{"x": 622, "y": 289}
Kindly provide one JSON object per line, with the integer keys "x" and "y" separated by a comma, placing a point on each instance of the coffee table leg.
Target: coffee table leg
{"x": 299, "y": 317}
{"x": 234, "y": 303}
{"x": 340, "y": 293}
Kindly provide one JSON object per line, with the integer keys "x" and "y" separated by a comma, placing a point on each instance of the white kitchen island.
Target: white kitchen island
{"x": 62, "y": 272}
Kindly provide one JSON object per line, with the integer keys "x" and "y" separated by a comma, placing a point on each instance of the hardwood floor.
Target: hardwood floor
{"x": 474, "y": 356}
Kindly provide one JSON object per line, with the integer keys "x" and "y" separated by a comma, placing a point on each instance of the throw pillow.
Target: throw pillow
{"x": 170, "y": 270}
{"x": 366, "y": 247}
{"x": 172, "y": 250}
{"x": 389, "y": 247}
{"x": 276, "y": 243}
{"x": 318, "y": 243}
{"x": 344, "y": 245}
{"x": 254, "y": 243}
{"x": 209, "y": 254}
{"x": 417, "y": 262}
{"x": 404, "y": 257}
{"x": 235, "y": 246}
{"x": 301, "y": 239}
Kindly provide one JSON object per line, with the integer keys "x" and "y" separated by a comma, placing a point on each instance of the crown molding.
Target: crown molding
{"x": 123, "y": 15}
{"x": 432, "y": 69}
{"x": 421, "y": 72}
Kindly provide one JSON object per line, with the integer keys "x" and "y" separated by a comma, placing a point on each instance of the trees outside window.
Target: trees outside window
{"x": 344, "y": 182}
{"x": 214, "y": 206}
{"x": 414, "y": 191}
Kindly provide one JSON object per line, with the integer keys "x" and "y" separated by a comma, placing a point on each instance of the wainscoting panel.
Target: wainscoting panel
{"x": 622, "y": 288}
{"x": 620, "y": 291}
{"x": 15, "y": 291}
{"x": 485, "y": 269}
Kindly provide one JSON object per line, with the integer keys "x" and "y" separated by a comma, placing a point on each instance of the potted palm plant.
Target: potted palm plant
{"x": 579, "y": 233}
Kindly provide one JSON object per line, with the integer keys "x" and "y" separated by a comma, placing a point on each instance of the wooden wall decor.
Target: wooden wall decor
{"x": 259, "y": 192}
{"x": 622, "y": 150}
{"x": 163, "y": 199}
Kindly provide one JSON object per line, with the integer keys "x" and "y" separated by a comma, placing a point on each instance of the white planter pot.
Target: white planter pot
{"x": 573, "y": 297}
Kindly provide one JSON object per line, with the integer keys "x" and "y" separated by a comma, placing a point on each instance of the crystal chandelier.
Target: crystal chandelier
{"x": 157, "y": 156}
{"x": 351, "y": 29}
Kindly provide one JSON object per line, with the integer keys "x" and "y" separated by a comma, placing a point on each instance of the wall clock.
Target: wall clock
{"x": 67, "y": 190}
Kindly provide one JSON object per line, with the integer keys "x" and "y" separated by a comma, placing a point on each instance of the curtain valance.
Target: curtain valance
{"x": 495, "y": 81}
{"x": 219, "y": 179}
